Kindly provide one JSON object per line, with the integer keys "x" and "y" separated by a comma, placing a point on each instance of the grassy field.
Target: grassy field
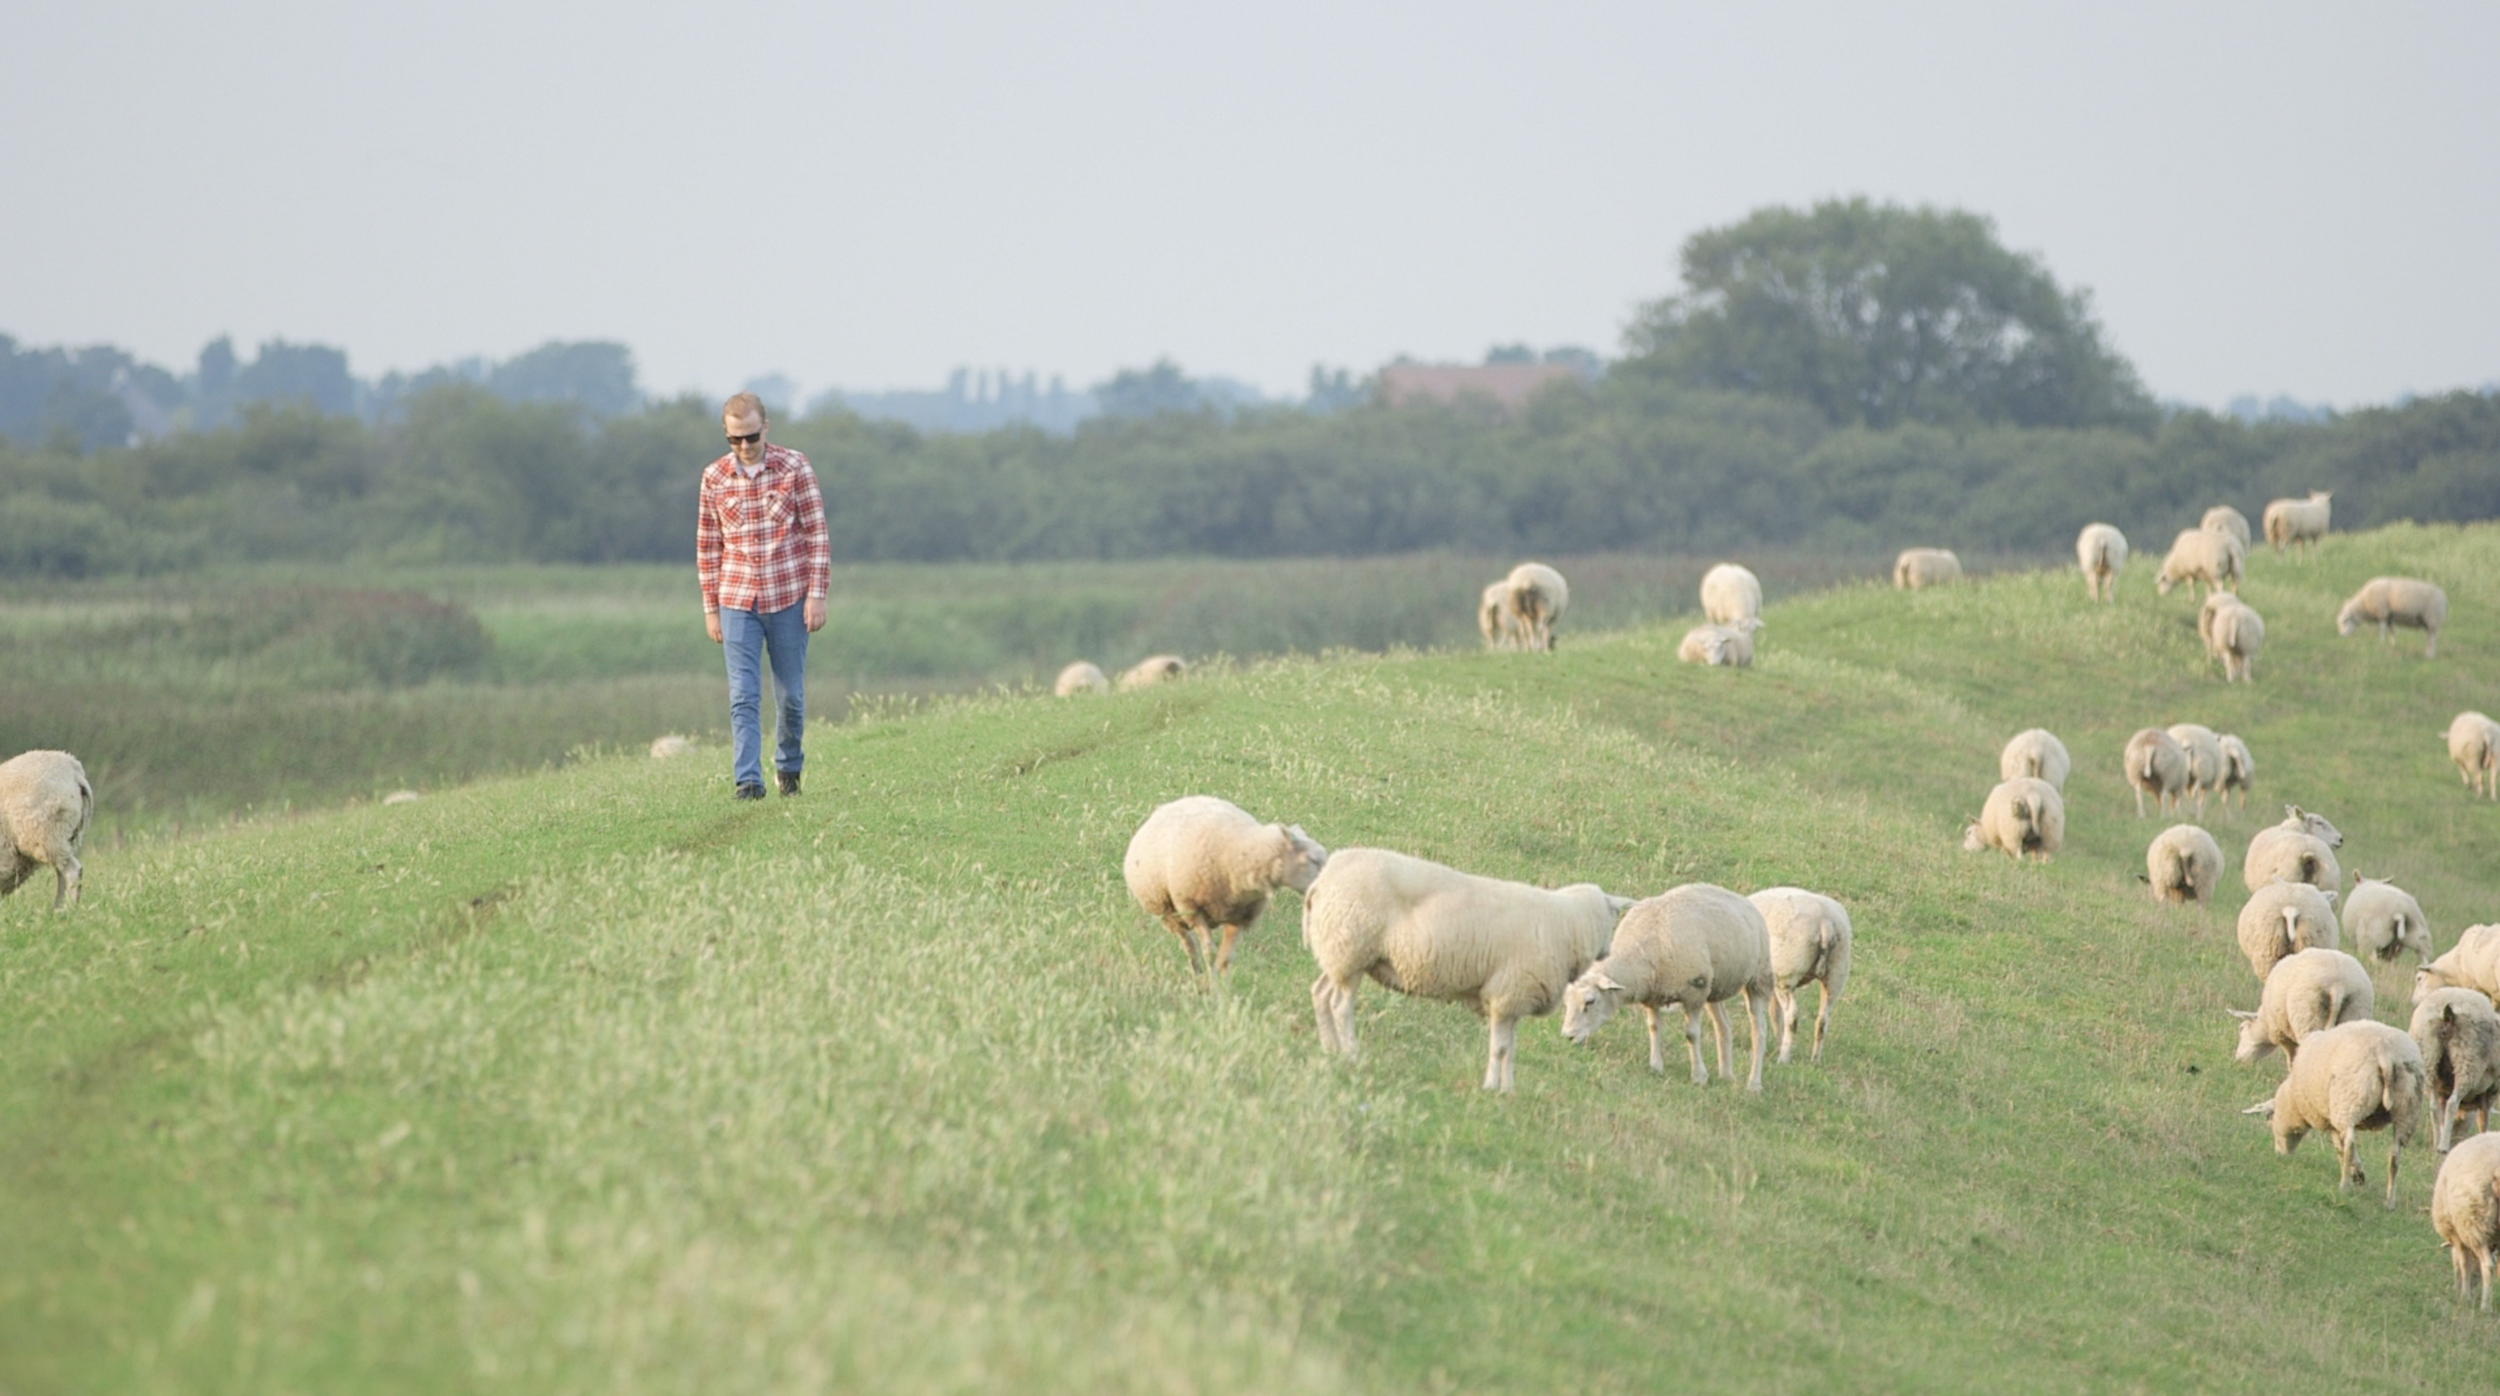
{"x": 590, "y": 1080}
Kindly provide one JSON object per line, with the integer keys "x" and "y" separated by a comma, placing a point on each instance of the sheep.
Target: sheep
{"x": 2183, "y": 863}
{"x": 2239, "y": 768}
{"x": 1694, "y": 947}
{"x": 2233, "y": 632}
{"x": 402, "y": 797}
{"x": 1199, "y": 863}
{"x": 1810, "y": 939}
{"x": 2023, "y": 817}
{"x": 2390, "y": 601}
{"x": 1084, "y": 676}
{"x": 1146, "y": 673}
{"x": 2285, "y": 918}
{"x": 1538, "y": 595}
{"x": 2474, "y": 744}
{"x": 2035, "y": 751}
{"x": 1729, "y": 645}
{"x": 2383, "y": 919}
{"x": 2306, "y": 992}
{"x": 2465, "y": 1210}
{"x": 2472, "y": 963}
{"x": 2348, "y": 1078}
{"x": 2204, "y": 753}
{"x": 1505, "y": 949}
{"x": 2222, "y": 518}
{"x": 1495, "y": 618}
{"x": 2158, "y": 766}
{"x": 1730, "y": 593}
{"x": 670, "y": 746}
{"x": 2292, "y": 522}
{"x": 2300, "y": 849}
{"x": 45, "y": 807}
{"x": 2101, "y": 550}
{"x": 1925, "y": 567}
{"x": 2198, "y": 556}
{"x": 2459, "y": 1037}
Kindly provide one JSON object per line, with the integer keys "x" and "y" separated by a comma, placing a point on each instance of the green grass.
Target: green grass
{"x": 588, "y": 1079}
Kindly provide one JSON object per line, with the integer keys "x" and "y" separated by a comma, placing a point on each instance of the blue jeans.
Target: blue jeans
{"x": 747, "y": 636}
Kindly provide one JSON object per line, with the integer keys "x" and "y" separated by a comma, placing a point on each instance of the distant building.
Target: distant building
{"x": 1508, "y": 385}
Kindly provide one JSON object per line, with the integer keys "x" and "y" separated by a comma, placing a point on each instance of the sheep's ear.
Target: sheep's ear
{"x": 2332, "y": 896}
{"x": 2240, "y": 1013}
{"x": 2264, "y": 1107}
{"x": 2293, "y": 812}
{"x": 1606, "y": 984}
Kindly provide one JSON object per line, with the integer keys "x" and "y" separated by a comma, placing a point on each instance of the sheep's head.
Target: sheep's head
{"x": 2428, "y": 980}
{"x": 1303, "y": 858}
{"x": 1588, "y": 1003}
{"x": 2349, "y": 617}
{"x": 2163, "y": 581}
{"x": 1972, "y": 840}
{"x": 2254, "y": 1043}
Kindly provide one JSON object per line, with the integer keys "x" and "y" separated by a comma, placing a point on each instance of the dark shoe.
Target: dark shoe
{"x": 750, "y": 792}
{"x": 789, "y": 781}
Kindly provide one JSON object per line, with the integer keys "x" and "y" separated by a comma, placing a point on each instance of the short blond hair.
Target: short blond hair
{"x": 743, "y": 404}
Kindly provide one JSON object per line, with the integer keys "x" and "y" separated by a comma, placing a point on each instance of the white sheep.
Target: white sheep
{"x": 1692, "y": 947}
{"x": 1730, "y": 593}
{"x": 1925, "y": 567}
{"x": 2459, "y": 1037}
{"x": 2307, "y": 991}
{"x": 1200, "y": 863}
{"x": 2239, "y": 768}
{"x": 1810, "y": 943}
{"x": 2300, "y": 849}
{"x": 2101, "y": 550}
{"x": 402, "y": 797}
{"x": 671, "y": 746}
{"x": 2204, "y": 754}
{"x": 1538, "y": 596}
{"x": 2023, "y": 817}
{"x": 2472, "y": 963}
{"x": 2382, "y": 919}
{"x": 2183, "y": 863}
{"x": 45, "y": 806}
{"x": 2348, "y": 1078}
{"x": 2035, "y": 751}
{"x": 1505, "y": 949}
{"x": 2465, "y": 1210}
{"x": 1084, "y": 676}
{"x": 2199, "y": 556}
{"x": 1156, "y": 669}
{"x": 2285, "y": 918}
{"x": 1495, "y": 618}
{"x": 1729, "y": 646}
{"x": 2396, "y": 601}
{"x": 2222, "y": 518}
{"x": 2474, "y": 744}
{"x": 2233, "y": 632}
{"x": 2293, "y": 522}
{"x": 2157, "y": 766}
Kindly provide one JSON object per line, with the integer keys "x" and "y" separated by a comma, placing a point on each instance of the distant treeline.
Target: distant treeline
{"x": 1635, "y": 461}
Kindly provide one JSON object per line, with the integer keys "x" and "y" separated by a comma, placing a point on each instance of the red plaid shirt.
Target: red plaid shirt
{"x": 759, "y": 544}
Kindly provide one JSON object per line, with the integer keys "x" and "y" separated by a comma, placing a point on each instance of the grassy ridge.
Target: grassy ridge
{"x": 591, "y": 1080}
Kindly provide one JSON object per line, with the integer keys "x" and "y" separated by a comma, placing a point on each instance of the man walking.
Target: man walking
{"x": 765, "y": 565}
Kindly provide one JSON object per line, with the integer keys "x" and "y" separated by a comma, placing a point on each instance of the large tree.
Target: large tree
{"x": 1879, "y": 315}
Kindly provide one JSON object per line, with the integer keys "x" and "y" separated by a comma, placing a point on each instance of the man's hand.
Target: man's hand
{"x": 814, "y": 615}
{"x": 711, "y": 625}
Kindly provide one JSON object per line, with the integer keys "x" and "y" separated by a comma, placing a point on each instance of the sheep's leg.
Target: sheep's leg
{"x": 1719, "y": 1036}
{"x": 2487, "y": 1259}
{"x": 2431, "y": 647}
{"x": 1822, "y": 1020}
{"x": 1224, "y": 956}
{"x": 1657, "y": 1044}
{"x": 1333, "y": 1003}
{"x": 2465, "y": 1278}
{"x": 1758, "y": 1021}
{"x": 2443, "y": 1132}
{"x": 2395, "y": 1150}
{"x": 2139, "y": 802}
{"x": 1786, "y": 1001}
{"x": 1692, "y": 1046}
{"x": 1180, "y": 926}
{"x": 2349, "y": 1171}
{"x": 1505, "y": 1037}
{"x": 64, "y": 877}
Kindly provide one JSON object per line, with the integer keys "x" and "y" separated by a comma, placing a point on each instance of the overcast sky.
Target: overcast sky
{"x": 2283, "y": 197}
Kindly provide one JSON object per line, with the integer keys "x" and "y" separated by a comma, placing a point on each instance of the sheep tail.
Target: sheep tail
{"x": 2291, "y": 930}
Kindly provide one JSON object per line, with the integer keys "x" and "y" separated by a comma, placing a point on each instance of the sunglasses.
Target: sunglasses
{"x": 747, "y": 440}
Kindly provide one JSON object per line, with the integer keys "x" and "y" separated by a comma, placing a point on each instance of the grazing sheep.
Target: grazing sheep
{"x": 2222, "y": 518}
{"x": 672, "y": 745}
{"x": 2285, "y": 918}
{"x": 2035, "y": 751}
{"x": 2382, "y": 919}
{"x": 2204, "y": 753}
{"x": 2157, "y": 766}
{"x": 2459, "y": 1036}
{"x": 1505, "y": 949}
{"x": 2465, "y": 1210}
{"x": 1730, "y": 593}
{"x": 2391, "y": 601}
{"x": 45, "y": 806}
{"x": 402, "y": 797}
{"x": 2233, "y": 633}
{"x": 2348, "y": 1078}
{"x": 1538, "y": 595}
{"x": 2472, "y": 963}
{"x": 2198, "y": 556}
{"x": 2474, "y": 744}
{"x": 2183, "y": 863}
{"x": 1084, "y": 676}
{"x": 2292, "y": 522}
{"x": 1694, "y": 947}
{"x": 2239, "y": 768}
{"x": 2102, "y": 552}
{"x": 1730, "y": 646}
{"x": 1810, "y": 940}
{"x": 1146, "y": 673}
{"x": 1925, "y": 567}
{"x": 2023, "y": 817}
{"x": 2309, "y": 991}
{"x": 1495, "y": 618}
{"x": 2300, "y": 849}
{"x": 1200, "y": 863}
